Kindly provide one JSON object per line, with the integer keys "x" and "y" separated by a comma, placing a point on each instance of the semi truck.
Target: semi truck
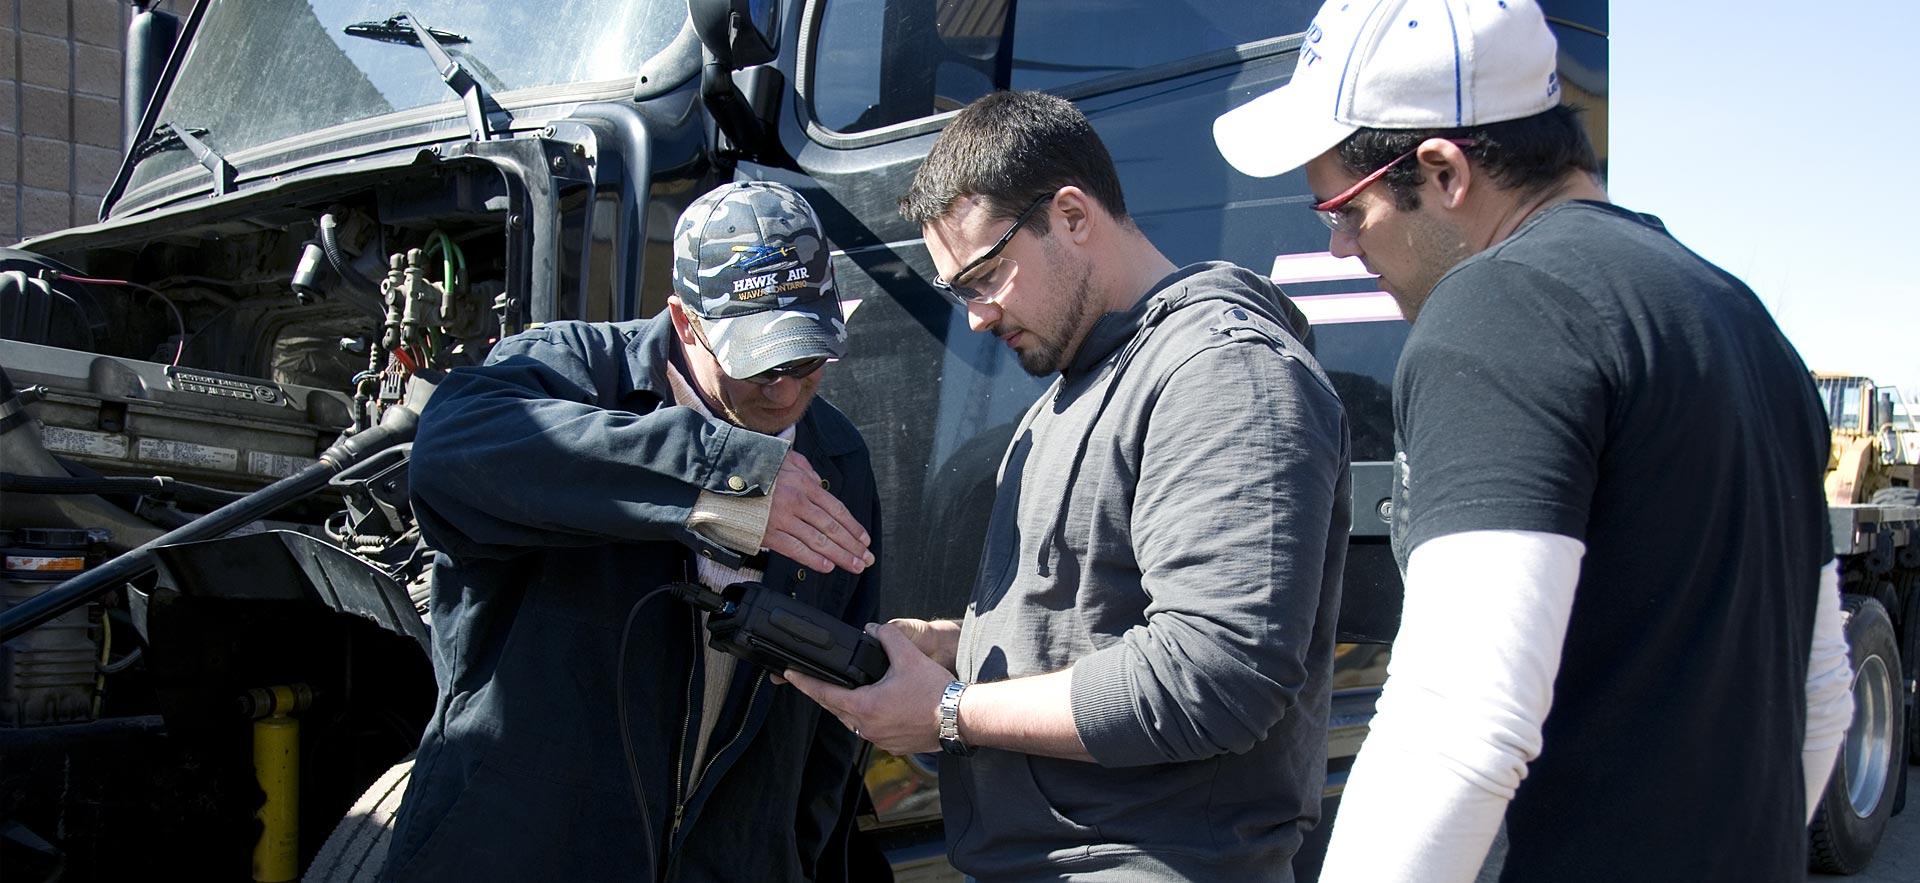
{"x": 325, "y": 204}
{"x": 1873, "y": 502}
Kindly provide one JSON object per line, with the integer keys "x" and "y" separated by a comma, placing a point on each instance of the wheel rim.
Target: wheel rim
{"x": 1870, "y": 738}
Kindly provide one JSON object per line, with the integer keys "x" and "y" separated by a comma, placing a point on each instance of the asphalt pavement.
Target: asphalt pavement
{"x": 1898, "y": 858}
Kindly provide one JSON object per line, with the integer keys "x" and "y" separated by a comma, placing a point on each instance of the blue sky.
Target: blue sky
{"x": 1782, "y": 142}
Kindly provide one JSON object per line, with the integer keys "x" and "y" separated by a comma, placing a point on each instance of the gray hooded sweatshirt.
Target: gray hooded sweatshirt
{"x": 1171, "y": 523}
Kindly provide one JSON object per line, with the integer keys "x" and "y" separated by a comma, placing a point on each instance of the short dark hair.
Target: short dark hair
{"x": 1530, "y": 154}
{"x": 1009, "y": 149}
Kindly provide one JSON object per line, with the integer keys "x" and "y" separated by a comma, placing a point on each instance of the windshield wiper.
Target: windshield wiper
{"x": 171, "y": 136}
{"x": 162, "y": 140}
{"x": 403, "y": 27}
{"x": 396, "y": 30}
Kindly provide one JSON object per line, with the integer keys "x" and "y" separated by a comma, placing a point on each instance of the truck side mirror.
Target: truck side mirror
{"x": 732, "y": 41}
{"x": 150, "y": 38}
{"x": 728, "y": 30}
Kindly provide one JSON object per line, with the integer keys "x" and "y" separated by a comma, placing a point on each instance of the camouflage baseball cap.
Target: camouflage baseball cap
{"x": 748, "y": 259}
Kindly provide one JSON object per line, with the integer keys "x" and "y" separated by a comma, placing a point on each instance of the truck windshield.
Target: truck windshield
{"x": 260, "y": 71}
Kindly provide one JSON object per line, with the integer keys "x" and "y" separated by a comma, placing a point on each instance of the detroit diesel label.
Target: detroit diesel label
{"x": 225, "y": 387}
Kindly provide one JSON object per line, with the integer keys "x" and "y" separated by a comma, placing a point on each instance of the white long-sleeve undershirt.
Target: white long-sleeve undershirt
{"x": 1829, "y": 689}
{"x": 1469, "y": 688}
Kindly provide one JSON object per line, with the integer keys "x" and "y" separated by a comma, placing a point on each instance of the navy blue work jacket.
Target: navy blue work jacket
{"x": 556, "y": 482}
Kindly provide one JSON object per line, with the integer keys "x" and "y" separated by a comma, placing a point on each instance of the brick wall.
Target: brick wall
{"x": 60, "y": 72}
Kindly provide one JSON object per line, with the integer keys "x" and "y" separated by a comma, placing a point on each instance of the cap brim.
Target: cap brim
{"x": 754, "y": 344}
{"x": 1278, "y": 132}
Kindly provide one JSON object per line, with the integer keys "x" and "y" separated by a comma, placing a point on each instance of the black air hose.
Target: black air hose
{"x": 330, "y": 244}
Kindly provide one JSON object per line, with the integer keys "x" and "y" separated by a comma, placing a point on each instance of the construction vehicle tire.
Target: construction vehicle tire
{"x": 1897, "y": 496}
{"x": 356, "y": 851}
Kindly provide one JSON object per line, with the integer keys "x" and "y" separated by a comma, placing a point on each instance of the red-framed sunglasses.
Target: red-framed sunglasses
{"x": 1329, "y": 211}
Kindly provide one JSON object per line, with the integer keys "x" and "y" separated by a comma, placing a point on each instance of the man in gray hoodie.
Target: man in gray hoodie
{"x": 1142, "y": 674}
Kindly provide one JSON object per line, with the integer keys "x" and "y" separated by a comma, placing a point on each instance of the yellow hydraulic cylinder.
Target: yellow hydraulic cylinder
{"x": 276, "y": 763}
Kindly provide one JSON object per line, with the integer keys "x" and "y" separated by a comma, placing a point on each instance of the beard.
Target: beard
{"x": 1049, "y": 352}
{"x": 1437, "y": 247}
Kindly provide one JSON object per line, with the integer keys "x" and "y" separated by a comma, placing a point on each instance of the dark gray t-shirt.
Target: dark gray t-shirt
{"x": 1591, "y": 377}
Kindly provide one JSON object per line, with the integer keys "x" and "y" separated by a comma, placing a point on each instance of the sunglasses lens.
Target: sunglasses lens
{"x": 953, "y": 295}
{"x": 796, "y": 370}
{"x": 801, "y": 369}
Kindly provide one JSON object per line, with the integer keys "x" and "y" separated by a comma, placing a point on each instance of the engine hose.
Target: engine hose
{"x": 158, "y": 485}
{"x": 13, "y": 411}
{"x": 123, "y": 663}
{"x": 330, "y": 246}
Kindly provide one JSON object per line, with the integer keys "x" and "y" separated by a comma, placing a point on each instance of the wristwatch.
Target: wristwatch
{"x": 950, "y": 721}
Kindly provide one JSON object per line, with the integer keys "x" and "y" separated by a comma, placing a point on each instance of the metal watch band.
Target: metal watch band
{"x": 950, "y": 721}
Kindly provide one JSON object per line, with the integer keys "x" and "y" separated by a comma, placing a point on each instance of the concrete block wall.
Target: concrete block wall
{"x": 61, "y": 64}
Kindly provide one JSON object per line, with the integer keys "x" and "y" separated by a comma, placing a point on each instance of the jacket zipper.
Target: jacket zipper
{"x": 745, "y": 717}
{"x": 680, "y": 805}
{"x": 680, "y": 756}
{"x": 674, "y": 860}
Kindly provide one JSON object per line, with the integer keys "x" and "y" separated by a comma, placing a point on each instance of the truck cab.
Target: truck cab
{"x": 322, "y": 201}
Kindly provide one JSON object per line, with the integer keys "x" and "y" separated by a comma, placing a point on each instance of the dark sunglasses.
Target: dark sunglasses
{"x": 962, "y": 293}
{"x": 795, "y": 370}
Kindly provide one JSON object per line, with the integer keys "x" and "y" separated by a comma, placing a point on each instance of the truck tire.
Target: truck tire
{"x": 1910, "y": 628}
{"x": 356, "y": 851}
{"x": 1860, "y": 795}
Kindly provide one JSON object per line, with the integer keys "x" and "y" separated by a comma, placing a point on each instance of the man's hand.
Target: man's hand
{"x": 811, "y": 526}
{"x": 939, "y": 638}
{"x": 900, "y": 713}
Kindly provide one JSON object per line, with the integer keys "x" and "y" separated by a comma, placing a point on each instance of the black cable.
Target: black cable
{"x": 179, "y": 321}
{"x": 164, "y": 487}
{"x": 626, "y": 735}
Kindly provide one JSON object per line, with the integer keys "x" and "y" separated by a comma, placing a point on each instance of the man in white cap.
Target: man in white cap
{"x": 1613, "y": 591}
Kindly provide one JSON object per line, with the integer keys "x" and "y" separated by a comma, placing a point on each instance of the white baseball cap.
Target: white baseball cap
{"x": 1396, "y": 64}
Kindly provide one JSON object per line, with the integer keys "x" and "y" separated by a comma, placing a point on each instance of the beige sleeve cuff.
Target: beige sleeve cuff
{"x": 739, "y": 523}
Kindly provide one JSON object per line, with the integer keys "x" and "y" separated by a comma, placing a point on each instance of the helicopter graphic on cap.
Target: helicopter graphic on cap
{"x": 765, "y": 257}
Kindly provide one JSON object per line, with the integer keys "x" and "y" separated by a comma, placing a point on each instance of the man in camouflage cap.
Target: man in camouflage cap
{"x": 586, "y": 464}
{"x": 755, "y": 294}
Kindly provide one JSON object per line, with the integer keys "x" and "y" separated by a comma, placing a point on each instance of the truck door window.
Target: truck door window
{"x": 881, "y": 62}
{"x": 1058, "y": 44}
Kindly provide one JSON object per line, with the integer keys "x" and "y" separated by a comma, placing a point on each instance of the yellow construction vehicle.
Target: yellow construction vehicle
{"x": 1875, "y": 442}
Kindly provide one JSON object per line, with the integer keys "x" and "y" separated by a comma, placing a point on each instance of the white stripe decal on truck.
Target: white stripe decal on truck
{"x": 1338, "y": 309}
{"x": 1333, "y": 309}
{"x": 1316, "y": 266}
